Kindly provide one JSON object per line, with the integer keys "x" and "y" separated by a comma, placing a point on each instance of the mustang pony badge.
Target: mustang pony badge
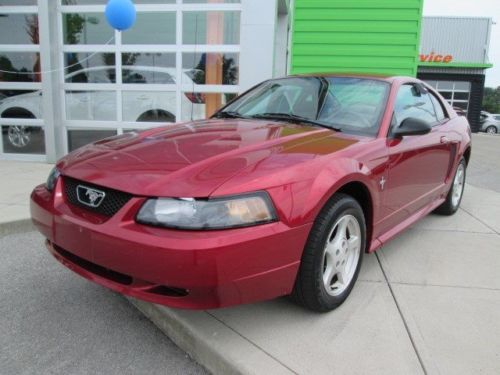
{"x": 89, "y": 196}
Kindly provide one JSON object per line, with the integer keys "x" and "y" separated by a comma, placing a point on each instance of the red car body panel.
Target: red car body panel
{"x": 300, "y": 166}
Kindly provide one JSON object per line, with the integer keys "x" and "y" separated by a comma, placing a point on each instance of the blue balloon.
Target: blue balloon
{"x": 120, "y": 14}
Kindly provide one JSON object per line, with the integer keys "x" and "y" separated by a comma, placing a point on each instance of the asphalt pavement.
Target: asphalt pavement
{"x": 55, "y": 322}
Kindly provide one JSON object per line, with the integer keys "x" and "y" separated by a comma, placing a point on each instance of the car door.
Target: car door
{"x": 417, "y": 165}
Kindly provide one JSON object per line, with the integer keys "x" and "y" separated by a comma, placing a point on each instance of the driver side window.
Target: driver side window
{"x": 412, "y": 102}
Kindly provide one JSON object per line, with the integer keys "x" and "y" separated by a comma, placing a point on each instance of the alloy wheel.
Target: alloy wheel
{"x": 19, "y": 136}
{"x": 458, "y": 185}
{"x": 341, "y": 254}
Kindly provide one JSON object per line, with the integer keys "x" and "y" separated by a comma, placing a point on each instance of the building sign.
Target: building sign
{"x": 435, "y": 58}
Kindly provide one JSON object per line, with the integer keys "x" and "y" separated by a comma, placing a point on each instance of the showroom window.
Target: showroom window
{"x": 455, "y": 92}
{"x": 21, "y": 113}
{"x": 180, "y": 61}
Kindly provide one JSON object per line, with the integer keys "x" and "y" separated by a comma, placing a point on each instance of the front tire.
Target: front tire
{"x": 332, "y": 256}
{"x": 454, "y": 197}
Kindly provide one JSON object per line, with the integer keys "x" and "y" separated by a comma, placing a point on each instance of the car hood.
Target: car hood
{"x": 193, "y": 159}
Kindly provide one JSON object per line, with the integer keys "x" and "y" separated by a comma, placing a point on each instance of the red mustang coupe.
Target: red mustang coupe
{"x": 280, "y": 192}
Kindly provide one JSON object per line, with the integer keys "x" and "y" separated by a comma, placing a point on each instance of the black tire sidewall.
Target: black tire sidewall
{"x": 344, "y": 206}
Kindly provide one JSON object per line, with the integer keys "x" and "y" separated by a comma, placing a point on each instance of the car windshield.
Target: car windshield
{"x": 347, "y": 104}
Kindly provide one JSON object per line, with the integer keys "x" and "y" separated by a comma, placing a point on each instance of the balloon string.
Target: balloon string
{"x": 59, "y": 70}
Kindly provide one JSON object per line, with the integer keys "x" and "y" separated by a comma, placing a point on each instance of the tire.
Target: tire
{"x": 491, "y": 129}
{"x": 327, "y": 253}
{"x": 454, "y": 197}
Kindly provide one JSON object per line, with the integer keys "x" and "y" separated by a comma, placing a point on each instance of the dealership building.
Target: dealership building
{"x": 67, "y": 78}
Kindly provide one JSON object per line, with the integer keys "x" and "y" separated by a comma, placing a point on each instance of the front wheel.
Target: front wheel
{"x": 454, "y": 197}
{"x": 332, "y": 257}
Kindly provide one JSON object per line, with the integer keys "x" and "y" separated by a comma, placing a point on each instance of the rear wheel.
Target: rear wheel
{"x": 491, "y": 130}
{"x": 454, "y": 197}
{"x": 332, "y": 256}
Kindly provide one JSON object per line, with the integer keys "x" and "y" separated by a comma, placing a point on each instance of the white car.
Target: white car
{"x": 490, "y": 122}
{"x": 141, "y": 106}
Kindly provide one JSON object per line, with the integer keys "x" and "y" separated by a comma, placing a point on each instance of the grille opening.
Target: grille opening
{"x": 111, "y": 204}
{"x": 106, "y": 273}
{"x": 168, "y": 291}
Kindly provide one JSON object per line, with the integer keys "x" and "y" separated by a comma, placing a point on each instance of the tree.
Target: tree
{"x": 491, "y": 100}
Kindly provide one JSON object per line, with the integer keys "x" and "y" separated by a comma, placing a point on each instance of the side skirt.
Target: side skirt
{"x": 390, "y": 234}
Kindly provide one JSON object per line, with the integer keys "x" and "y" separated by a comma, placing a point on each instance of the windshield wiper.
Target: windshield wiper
{"x": 293, "y": 118}
{"x": 228, "y": 114}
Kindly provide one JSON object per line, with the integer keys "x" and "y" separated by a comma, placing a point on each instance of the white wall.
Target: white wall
{"x": 258, "y": 26}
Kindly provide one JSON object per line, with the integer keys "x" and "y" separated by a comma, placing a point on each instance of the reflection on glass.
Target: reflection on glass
{"x": 148, "y": 68}
{"x": 86, "y": 28}
{"x": 19, "y": 29}
{"x": 91, "y": 105}
{"x": 211, "y": 1}
{"x": 100, "y": 68}
{"x": 210, "y": 68}
{"x": 100, "y": 2}
{"x": 211, "y": 27}
{"x": 21, "y": 104}
{"x": 18, "y": 2}
{"x": 199, "y": 106}
{"x": 149, "y": 106}
{"x": 18, "y": 139}
{"x": 22, "y": 67}
{"x": 151, "y": 28}
{"x": 79, "y": 138}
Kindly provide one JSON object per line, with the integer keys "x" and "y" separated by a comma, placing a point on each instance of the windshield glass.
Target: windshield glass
{"x": 351, "y": 105}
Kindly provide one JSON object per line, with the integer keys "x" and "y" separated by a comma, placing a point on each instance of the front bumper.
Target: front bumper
{"x": 185, "y": 269}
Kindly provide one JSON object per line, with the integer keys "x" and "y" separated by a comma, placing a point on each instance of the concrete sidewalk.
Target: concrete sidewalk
{"x": 427, "y": 302}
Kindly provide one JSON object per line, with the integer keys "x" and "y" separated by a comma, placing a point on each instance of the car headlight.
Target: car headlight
{"x": 52, "y": 179}
{"x": 205, "y": 214}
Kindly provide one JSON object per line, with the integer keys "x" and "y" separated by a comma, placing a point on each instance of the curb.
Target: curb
{"x": 15, "y": 227}
{"x": 209, "y": 342}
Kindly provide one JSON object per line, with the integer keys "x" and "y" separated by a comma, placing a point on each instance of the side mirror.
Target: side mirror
{"x": 412, "y": 126}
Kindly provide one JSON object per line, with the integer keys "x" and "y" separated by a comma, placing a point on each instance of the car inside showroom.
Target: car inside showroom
{"x": 67, "y": 78}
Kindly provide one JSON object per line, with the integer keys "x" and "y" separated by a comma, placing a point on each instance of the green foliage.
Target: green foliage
{"x": 491, "y": 100}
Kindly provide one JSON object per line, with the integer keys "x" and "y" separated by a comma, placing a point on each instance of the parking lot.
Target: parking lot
{"x": 428, "y": 302}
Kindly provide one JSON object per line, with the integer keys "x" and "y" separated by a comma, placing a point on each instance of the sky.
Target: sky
{"x": 474, "y": 8}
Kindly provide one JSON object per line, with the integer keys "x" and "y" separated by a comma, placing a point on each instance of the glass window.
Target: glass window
{"x": 19, "y": 139}
{"x": 210, "y": 1}
{"x": 19, "y": 29}
{"x": 497, "y": 118}
{"x": 148, "y": 68}
{"x": 465, "y": 86}
{"x": 149, "y": 106}
{"x": 432, "y": 83}
{"x": 91, "y": 105}
{"x": 21, "y": 104}
{"x": 79, "y": 138}
{"x": 446, "y": 94}
{"x": 210, "y": 68}
{"x": 86, "y": 28}
{"x": 438, "y": 107}
{"x": 445, "y": 85}
{"x": 198, "y": 106}
{"x": 22, "y": 67}
{"x": 461, "y": 96}
{"x": 18, "y": 2}
{"x": 211, "y": 27}
{"x": 90, "y": 68}
{"x": 100, "y": 2}
{"x": 412, "y": 103}
{"x": 152, "y": 28}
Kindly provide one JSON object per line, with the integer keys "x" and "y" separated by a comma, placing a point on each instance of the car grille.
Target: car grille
{"x": 111, "y": 204}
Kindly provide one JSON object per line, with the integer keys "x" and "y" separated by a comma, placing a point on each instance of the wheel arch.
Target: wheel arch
{"x": 156, "y": 113}
{"x": 17, "y": 112}
{"x": 467, "y": 154}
